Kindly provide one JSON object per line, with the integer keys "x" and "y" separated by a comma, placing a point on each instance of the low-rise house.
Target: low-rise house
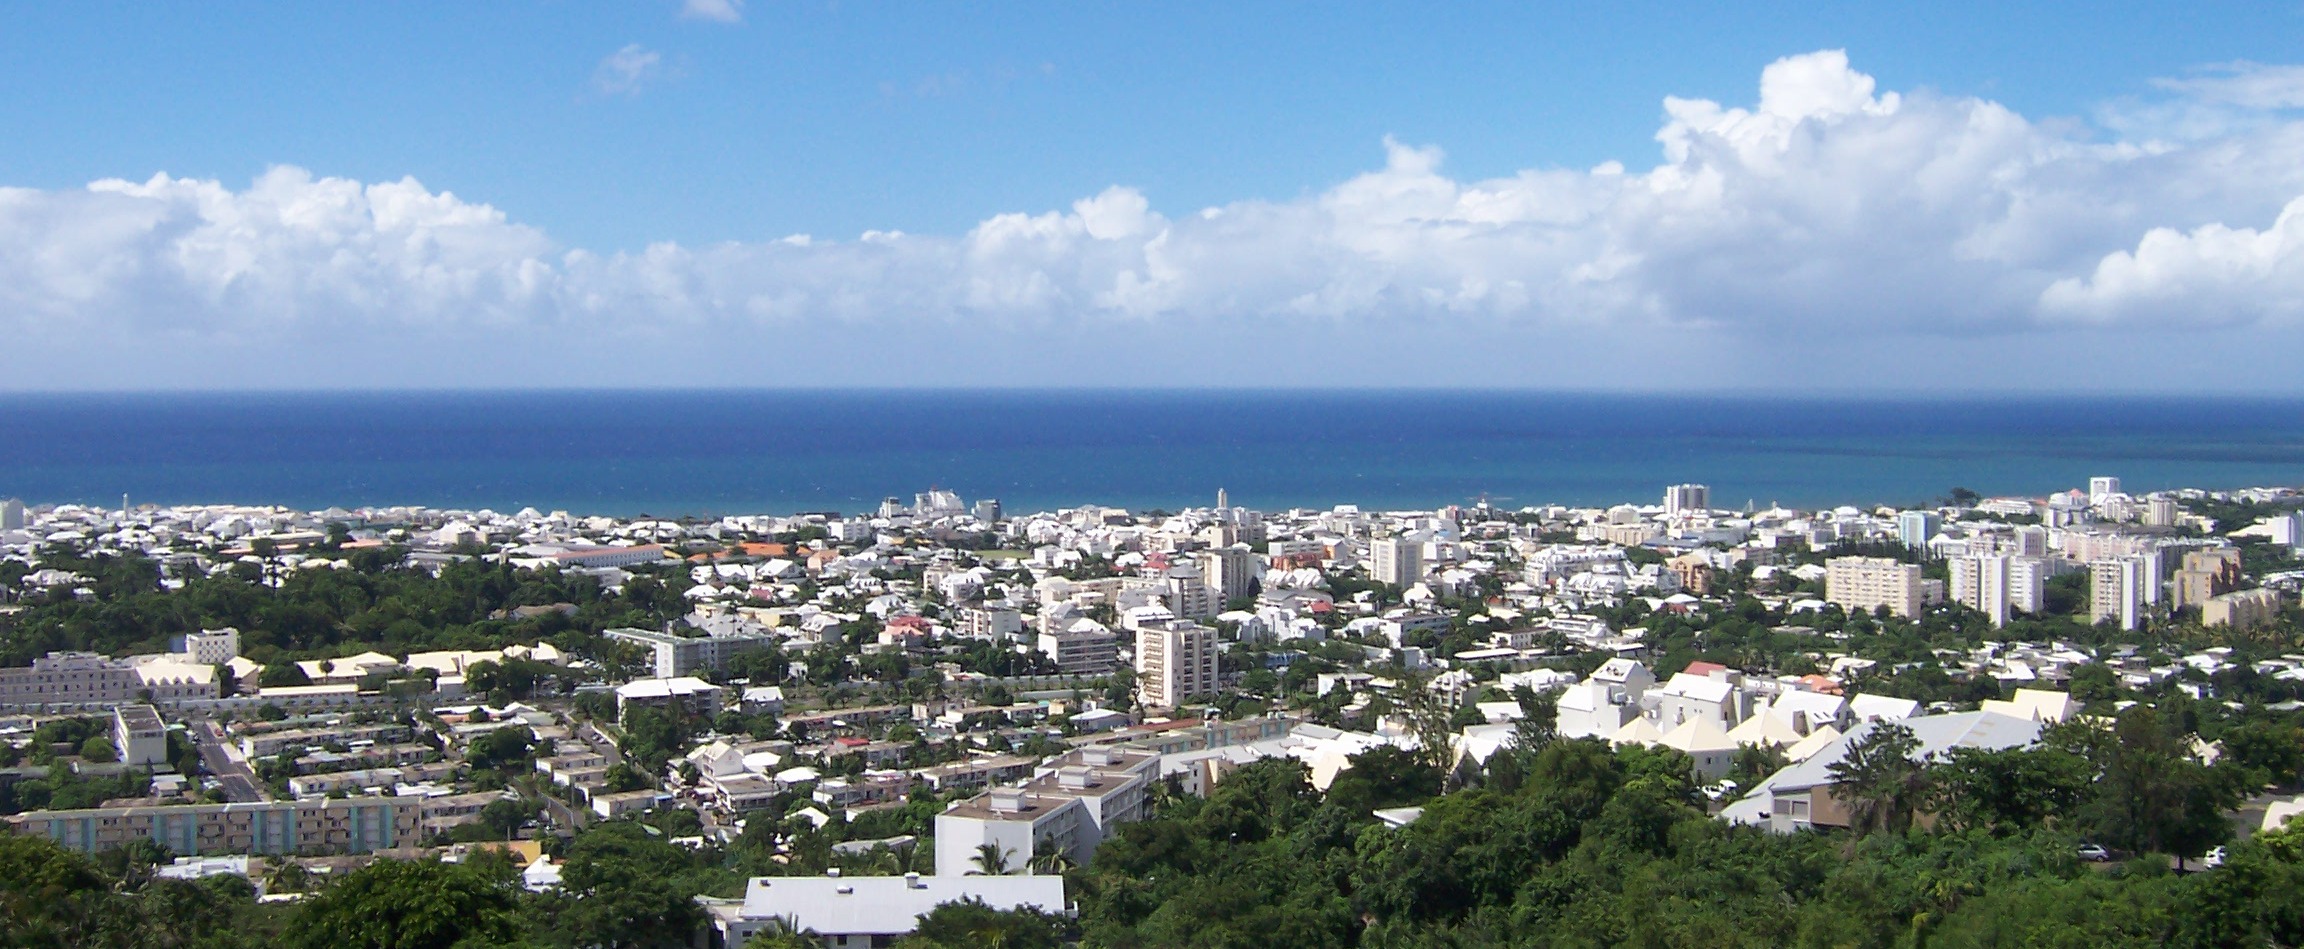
{"x": 858, "y": 912}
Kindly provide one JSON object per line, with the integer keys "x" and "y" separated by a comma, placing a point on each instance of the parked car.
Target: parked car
{"x": 2095, "y": 853}
{"x": 1720, "y": 790}
{"x": 2214, "y": 859}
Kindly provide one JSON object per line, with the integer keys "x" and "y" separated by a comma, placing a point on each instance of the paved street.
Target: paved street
{"x": 218, "y": 759}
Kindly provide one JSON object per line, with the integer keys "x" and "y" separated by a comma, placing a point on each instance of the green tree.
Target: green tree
{"x": 990, "y": 860}
{"x": 408, "y": 904}
{"x": 100, "y": 750}
{"x": 1878, "y": 780}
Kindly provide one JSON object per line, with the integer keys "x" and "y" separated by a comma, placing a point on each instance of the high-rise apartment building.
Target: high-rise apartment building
{"x": 11, "y": 515}
{"x": 1398, "y": 561}
{"x": 2161, "y": 512}
{"x": 1230, "y": 571}
{"x": 1687, "y": 497}
{"x": 1913, "y": 528}
{"x": 1866, "y": 583}
{"x": 1175, "y": 662}
{"x": 1186, "y": 592}
{"x": 2207, "y": 573}
{"x": 2116, "y": 591}
{"x": 2101, "y": 487}
{"x": 1998, "y": 585}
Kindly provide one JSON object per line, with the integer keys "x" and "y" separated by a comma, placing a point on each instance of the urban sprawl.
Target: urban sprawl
{"x": 938, "y": 701}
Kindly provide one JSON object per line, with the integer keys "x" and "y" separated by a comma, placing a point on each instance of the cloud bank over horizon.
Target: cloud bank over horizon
{"x": 1827, "y": 217}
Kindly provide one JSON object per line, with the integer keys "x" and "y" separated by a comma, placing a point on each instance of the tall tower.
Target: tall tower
{"x": 1223, "y": 501}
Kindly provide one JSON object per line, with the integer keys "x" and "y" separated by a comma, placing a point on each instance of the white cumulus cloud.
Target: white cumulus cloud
{"x": 1827, "y": 210}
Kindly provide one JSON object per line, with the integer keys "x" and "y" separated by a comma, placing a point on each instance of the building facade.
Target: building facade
{"x": 1175, "y": 662}
{"x": 1867, "y": 583}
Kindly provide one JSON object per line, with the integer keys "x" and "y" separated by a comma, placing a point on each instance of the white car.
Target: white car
{"x": 2214, "y": 858}
{"x": 2095, "y": 853}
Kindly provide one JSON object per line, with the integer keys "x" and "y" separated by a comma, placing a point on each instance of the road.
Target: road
{"x": 220, "y": 760}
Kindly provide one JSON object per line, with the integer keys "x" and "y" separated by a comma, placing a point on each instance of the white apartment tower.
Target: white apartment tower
{"x": 1687, "y": 497}
{"x": 212, "y": 647}
{"x": 1187, "y": 594}
{"x": 1175, "y": 661}
{"x": 2116, "y": 591}
{"x": 1229, "y": 571}
{"x": 11, "y": 515}
{"x": 1398, "y": 561}
{"x": 1998, "y": 585}
{"x": 1866, "y": 583}
{"x": 2101, "y": 487}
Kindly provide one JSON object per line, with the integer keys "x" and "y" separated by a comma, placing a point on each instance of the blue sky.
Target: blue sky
{"x": 584, "y": 134}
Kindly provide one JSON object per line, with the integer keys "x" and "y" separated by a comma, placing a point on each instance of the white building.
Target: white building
{"x": 212, "y": 647}
{"x": 1602, "y": 704}
{"x": 1229, "y": 571}
{"x": 1067, "y": 810}
{"x": 845, "y": 912}
{"x": 139, "y": 735}
{"x": 2116, "y": 591}
{"x": 1687, "y": 498}
{"x": 1082, "y": 647}
{"x": 1398, "y": 561}
{"x": 1175, "y": 661}
{"x": 1997, "y": 585}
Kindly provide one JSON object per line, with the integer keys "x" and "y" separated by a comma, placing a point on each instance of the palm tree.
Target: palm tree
{"x": 1882, "y": 783}
{"x": 991, "y": 860}
{"x": 1051, "y": 860}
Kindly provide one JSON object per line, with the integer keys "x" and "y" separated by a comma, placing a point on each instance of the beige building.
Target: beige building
{"x": 355, "y": 825}
{"x": 1175, "y": 661}
{"x": 2241, "y": 610}
{"x": 2207, "y": 574}
{"x": 1867, "y": 583}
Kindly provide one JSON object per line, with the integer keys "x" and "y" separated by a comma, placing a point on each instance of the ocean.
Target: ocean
{"x": 772, "y": 451}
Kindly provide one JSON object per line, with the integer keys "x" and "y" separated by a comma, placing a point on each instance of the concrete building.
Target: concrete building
{"x": 1229, "y": 571}
{"x": 2102, "y": 487}
{"x": 1998, "y": 585}
{"x": 11, "y": 515}
{"x": 1085, "y": 647}
{"x": 139, "y": 735}
{"x": 70, "y": 681}
{"x": 1175, "y": 662}
{"x": 1186, "y": 592}
{"x": 2207, "y": 573}
{"x": 1866, "y": 583}
{"x": 853, "y": 912}
{"x": 1913, "y": 528}
{"x": 321, "y": 826}
{"x": 996, "y": 624}
{"x": 1605, "y": 701}
{"x": 2161, "y": 512}
{"x": 687, "y": 694}
{"x": 2116, "y": 591}
{"x": 1068, "y": 809}
{"x": 1687, "y": 499}
{"x": 675, "y": 655}
{"x": 988, "y": 510}
{"x": 2241, "y": 609}
{"x": 1396, "y": 560}
{"x": 211, "y": 647}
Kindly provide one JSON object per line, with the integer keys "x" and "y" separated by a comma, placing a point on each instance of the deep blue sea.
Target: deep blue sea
{"x": 753, "y": 451}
